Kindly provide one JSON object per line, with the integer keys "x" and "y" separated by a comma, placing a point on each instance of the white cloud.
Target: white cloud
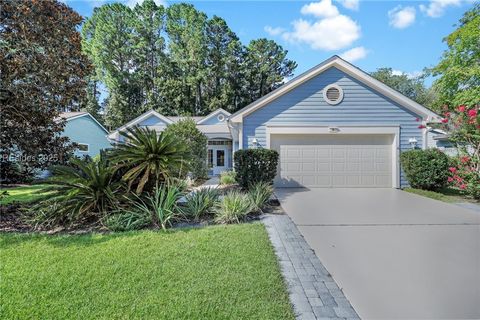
{"x": 401, "y": 18}
{"x": 331, "y": 31}
{"x": 350, "y": 4}
{"x": 132, "y": 3}
{"x": 323, "y": 8}
{"x": 436, "y": 8}
{"x": 410, "y": 75}
{"x": 273, "y": 31}
{"x": 354, "y": 54}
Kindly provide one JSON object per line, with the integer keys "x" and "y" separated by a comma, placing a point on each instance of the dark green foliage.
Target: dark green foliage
{"x": 87, "y": 189}
{"x": 43, "y": 72}
{"x": 127, "y": 220}
{"x": 425, "y": 169}
{"x": 196, "y": 145}
{"x": 149, "y": 157}
{"x": 255, "y": 165}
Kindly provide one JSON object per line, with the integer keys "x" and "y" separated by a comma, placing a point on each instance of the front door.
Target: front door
{"x": 217, "y": 159}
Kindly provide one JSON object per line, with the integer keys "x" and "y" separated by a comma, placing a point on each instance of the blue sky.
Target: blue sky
{"x": 404, "y": 35}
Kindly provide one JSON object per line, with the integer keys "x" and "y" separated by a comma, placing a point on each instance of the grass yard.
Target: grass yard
{"x": 24, "y": 194}
{"x": 445, "y": 195}
{"x": 218, "y": 272}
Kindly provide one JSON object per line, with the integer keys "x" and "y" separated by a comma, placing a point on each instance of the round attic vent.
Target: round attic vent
{"x": 333, "y": 94}
{"x": 221, "y": 117}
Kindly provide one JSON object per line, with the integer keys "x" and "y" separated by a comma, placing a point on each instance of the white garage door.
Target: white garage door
{"x": 334, "y": 161}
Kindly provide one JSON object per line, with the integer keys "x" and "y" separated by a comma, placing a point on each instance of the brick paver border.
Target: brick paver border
{"x": 313, "y": 292}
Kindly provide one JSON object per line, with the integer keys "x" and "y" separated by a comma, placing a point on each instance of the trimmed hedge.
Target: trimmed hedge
{"x": 426, "y": 169}
{"x": 255, "y": 165}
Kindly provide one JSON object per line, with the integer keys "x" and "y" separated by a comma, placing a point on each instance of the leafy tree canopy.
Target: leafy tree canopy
{"x": 459, "y": 69}
{"x": 43, "y": 73}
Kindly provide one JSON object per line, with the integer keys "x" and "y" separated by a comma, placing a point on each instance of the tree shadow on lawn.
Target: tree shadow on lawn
{"x": 8, "y": 240}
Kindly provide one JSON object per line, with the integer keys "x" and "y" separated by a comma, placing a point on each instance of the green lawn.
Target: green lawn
{"x": 24, "y": 194}
{"x": 218, "y": 272}
{"x": 445, "y": 195}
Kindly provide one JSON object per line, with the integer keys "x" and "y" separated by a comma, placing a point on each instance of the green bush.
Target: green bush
{"x": 255, "y": 165}
{"x": 259, "y": 194}
{"x": 196, "y": 142}
{"x": 200, "y": 203}
{"x": 425, "y": 169}
{"x": 227, "y": 178}
{"x": 161, "y": 205}
{"x": 233, "y": 207}
{"x": 127, "y": 221}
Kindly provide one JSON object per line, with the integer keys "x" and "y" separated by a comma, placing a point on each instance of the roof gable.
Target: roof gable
{"x": 212, "y": 118}
{"x": 348, "y": 69}
{"x": 72, "y": 116}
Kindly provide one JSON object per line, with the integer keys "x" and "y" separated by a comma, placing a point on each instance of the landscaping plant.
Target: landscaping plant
{"x": 463, "y": 125}
{"x": 255, "y": 165}
{"x": 233, "y": 207}
{"x": 227, "y": 178}
{"x": 127, "y": 220}
{"x": 260, "y": 194}
{"x": 161, "y": 205}
{"x": 196, "y": 145}
{"x": 149, "y": 157}
{"x": 200, "y": 203}
{"x": 425, "y": 169}
{"x": 85, "y": 189}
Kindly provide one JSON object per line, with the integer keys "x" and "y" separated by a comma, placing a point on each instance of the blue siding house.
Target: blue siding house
{"x": 83, "y": 129}
{"x": 334, "y": 126}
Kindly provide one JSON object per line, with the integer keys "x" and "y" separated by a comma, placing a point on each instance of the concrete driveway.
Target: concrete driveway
{"x": 394, "y": 254}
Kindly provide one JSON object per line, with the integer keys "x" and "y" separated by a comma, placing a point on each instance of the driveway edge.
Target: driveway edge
{"x": 312, "y": 291}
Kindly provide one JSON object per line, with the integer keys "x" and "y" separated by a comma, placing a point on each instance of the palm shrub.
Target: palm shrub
{"x": 84, "y": 189}
{"x": 260, "y": 194}
{"x": 161, "y": 204}
{"x": 233, "y": 207}
{"x": 200, "y": 203}
{"x": 227, "y": 178}
{"x": 148, "y": 157}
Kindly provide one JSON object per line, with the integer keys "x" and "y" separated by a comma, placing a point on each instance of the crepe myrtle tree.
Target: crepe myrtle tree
{"x": 463, "y": 125}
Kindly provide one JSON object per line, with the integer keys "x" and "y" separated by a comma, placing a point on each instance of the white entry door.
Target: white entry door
{"x": 217, "y": 159}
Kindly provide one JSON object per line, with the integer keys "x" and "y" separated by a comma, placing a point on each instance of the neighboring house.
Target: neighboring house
{"x": 214, "y": 126}
{"x": 334, "y": 126}
{"x": 83, "y": 129}
{"x": 439, "y": 139}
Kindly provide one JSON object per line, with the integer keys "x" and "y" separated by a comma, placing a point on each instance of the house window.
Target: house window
{"x": 220, "y": 158}
{"x": 210, "y": 158}
{"x": 333, "y": 94}
{"x": 219, "y": 143}
{"x": 82, "y": 147}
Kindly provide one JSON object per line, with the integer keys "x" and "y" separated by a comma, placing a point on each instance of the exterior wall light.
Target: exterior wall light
{"x": 413, "y": 142}
{"x": 255, "y": 142}
{"x": 333, "y": 130}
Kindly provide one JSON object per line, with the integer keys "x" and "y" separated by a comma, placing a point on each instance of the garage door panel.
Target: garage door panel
{"x": 334, "y": 161}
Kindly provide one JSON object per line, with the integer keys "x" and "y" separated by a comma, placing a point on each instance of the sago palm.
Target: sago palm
{"x": 84, "y": 188}
{"x": 148, "y": 157}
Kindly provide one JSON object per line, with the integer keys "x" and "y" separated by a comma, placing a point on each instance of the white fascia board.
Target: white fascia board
{"x": 214, "y": 113}
{"x": 140, "y": 119}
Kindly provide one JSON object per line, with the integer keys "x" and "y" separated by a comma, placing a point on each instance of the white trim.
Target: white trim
{"x": 87, "y": 114}
{"x": 349, "y": 69}
{"x": 212, "y": 114}
{"x": 358, "y": 129}
{"x": 240, "y": 138}
{"x": 340, "y": 94}
{"x": 138, "y": 119}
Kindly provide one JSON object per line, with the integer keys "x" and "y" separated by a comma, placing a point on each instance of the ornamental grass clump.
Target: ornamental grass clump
{"x": 260, "y": 194}
{"x": 233, "y": 208}
{"x": 200, "y": 203}
{"x": 227, "y": 178}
